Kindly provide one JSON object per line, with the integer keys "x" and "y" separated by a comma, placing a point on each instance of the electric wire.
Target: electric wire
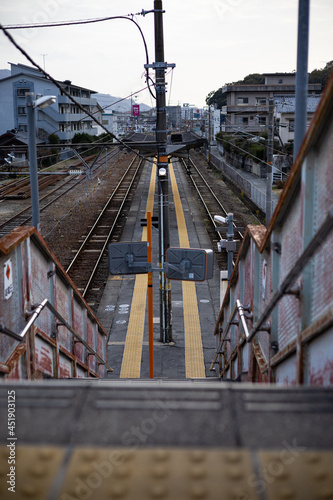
{"x": 261, "y": 161}
{"x": 129, "y": 17}
{"x": 67, "y": 94}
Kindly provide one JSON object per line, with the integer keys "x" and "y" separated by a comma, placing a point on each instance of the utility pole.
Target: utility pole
{"x": 163, "y": 177}
{"x": 301, "y": 74}
{"x": 33, "y": 169}
{"x": 269, "y": 160}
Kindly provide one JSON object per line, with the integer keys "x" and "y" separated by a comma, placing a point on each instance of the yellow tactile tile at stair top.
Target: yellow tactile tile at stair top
{"x": 131, "y": 364}
{"x": 44, "y": 472}
{"x": 194, "y": 360}
{"x": 35, "y": 471}
{"x": 168, "y": 474}
{"x": 295, "y": 474}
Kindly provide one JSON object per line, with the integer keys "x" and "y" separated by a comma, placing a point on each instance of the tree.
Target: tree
{"x": 220, "y": 99}
{"x": 216, "y": 97}
{"x": 82, "y": 137}
{"x": 252, "y": 79}
{"x": 321, "y": 75}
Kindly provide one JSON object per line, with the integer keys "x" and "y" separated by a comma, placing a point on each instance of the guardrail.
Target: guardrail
{"x": 34, "y": 315}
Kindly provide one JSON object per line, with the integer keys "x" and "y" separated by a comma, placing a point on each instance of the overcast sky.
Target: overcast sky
{"x": 212, "y": 42}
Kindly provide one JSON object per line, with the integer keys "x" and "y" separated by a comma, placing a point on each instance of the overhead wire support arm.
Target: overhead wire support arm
{"x": 145, "y": 12}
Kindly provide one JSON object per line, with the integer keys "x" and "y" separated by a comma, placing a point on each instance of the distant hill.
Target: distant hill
{"x": 123, "y": 106}
{"x": 4, "y": 73}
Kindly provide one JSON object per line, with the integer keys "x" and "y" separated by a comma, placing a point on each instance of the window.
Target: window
{"x": 21, "y": 92}
{"x": 262, "y": 120}
{"x": 280, "y": 80}
{"x": 64, "y": 109}
{"x": 242, "y": 100}
{"x": 261, "y": 101}
{"x": 21, "y": 110}
{"x": 23, "y": 128}
{"x": 242, "y": 120}
{"x": 291, "y": 125}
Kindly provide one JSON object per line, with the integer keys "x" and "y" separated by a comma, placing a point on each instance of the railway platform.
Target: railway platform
{"x": 195, "y": 306}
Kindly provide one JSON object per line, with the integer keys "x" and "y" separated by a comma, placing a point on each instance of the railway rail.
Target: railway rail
{"x": 89, "y": 266}
{"x": 24, "y": 216}
{"x": 210, "y": 195}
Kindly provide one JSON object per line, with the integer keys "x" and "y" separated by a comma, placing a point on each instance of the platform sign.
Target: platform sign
{"x": 189, "y": 264}
{"x": 136, "y": 110}
{"x": 128, "y": 258}
{"x": 8, "y": 279}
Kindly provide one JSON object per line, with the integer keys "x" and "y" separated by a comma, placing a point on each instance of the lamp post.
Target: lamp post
{"x": 42, "y": 102}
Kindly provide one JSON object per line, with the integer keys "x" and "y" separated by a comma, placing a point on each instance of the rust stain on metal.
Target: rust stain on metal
{"x": 14, "y": 238}
{"x": 13, "y": 359}
{"x": 4, "y": 368}
{"x": 284, "y": 353}
{"x": 263, "y": 366}
{"x": 257, "y": 233}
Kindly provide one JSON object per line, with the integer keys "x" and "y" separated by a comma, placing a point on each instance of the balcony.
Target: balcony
{"x": 245, "y": 108}
{"x": 233, "y": 128}
{"x": 84, "y": 101}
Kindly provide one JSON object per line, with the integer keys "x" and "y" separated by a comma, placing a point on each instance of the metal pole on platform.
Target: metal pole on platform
{"x": 33, "y": 169}
{"x": 150, "y": 298}
{"x": 269, "y": 161}
{"x": 41, "y": 103}
{"x": 301, "y": 73}
{"x": 162, "y": 169}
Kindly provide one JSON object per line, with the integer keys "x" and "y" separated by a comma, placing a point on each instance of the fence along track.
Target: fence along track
{"x": 84, "y": 265}
{"x": 212, "y": 206}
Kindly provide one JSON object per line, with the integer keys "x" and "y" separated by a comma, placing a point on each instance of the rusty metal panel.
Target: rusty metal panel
{"x": 91, "y": 340}
{"x": 246, "y": 357}
{"x": 247, "y": 278}
{"x": 286, "y": 372}
{"x": 320, "y": 360}
{"x": 11, "y": 300}
{"x": 101, "y": 349}
{"x": 79, "y": 325}
{"x": 65, "y": 366}
{"x": 265, "y": 284}
{"x": 39, "y": 286}
{"x": 44, "y": 353}
{"x": 291, "y": 242}
{"x": 80, "y": 372}
{"x": 63, "y": 306}
{"x": 322, "y": 291}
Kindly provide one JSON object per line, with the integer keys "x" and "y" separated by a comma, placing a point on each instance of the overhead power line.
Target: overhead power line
{"x": 67, "y": 94}
{"x": 87, "y": 21}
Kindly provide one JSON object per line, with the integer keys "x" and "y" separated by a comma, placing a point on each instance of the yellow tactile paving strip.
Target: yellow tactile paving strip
{"x": 194, "y": 360}
{"x": 131, "y": 364}
{"x": 171, "y": 473}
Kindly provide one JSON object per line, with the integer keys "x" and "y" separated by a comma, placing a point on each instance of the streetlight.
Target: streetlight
{"x": 41, "y": 103}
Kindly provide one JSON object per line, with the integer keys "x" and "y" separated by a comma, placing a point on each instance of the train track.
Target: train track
{"x": 89, "y": 267}
{"x": 210, "y": 194}
{"x": 23, "y": 217}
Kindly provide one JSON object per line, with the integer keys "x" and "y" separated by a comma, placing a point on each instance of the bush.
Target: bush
{"x": 258, "y": 151}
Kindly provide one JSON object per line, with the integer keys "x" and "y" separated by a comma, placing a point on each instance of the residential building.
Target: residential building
{"x": 247, "y": 105}
{"x": 63, "y": 117}
{"x": 15, "y": 143}
{"x": 285, "y": 114}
